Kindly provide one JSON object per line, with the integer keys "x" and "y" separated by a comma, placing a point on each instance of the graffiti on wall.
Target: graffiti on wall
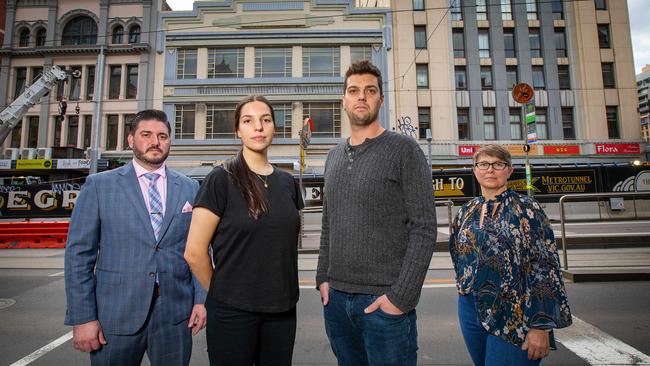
{"x": 406, "y": 128}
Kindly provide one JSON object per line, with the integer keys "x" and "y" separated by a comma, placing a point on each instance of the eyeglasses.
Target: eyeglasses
{"x": 497, "y": 165}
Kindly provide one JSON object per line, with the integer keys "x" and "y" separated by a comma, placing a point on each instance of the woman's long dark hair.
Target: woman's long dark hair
{"x": 244, "y": 178}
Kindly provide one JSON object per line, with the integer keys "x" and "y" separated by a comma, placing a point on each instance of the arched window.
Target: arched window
{"x": 24, "y": 38}
{"x": 134, "y": 34}
{"x": 118, "y": 34}
{"x": 41, "y": 36}
{"x": 80, "y": 30}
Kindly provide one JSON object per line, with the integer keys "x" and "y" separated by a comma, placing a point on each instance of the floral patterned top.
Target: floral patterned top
{"x": 510, "y": 264}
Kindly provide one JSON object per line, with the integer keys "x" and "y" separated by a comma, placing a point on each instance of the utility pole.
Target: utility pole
{"x": 97, "y": 113}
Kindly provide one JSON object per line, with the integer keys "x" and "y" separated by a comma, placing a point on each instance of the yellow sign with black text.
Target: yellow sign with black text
{"x": 29, "y": 164}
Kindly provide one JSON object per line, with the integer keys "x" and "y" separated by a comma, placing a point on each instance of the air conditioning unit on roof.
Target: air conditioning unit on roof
{"x": 44, "y": 153}
{"x": 28, "y": 154}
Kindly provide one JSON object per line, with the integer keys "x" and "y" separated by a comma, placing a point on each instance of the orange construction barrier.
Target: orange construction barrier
{"x": 33, "y": 234}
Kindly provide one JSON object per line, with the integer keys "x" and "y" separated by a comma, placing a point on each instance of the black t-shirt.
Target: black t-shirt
{"x": 256, "y": 261}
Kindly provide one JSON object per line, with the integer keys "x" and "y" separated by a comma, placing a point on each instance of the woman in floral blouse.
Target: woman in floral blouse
{"x": 507, "y": 270}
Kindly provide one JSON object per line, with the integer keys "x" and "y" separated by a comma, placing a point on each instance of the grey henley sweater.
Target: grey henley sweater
{"x": 379, "y": 220}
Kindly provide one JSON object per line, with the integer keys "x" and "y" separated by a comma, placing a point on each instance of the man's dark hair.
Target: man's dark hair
{"x": 364, "y": 67}
{"x": 147, "y": 115}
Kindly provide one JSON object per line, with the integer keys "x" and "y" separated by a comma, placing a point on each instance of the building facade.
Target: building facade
{"x": 71, "y": 34}
{"x": 459, "y": 61}
{"x": 293, "y": 52}
{"x": 643, "y": 87}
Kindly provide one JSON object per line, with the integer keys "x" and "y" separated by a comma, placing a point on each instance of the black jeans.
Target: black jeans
{"x": 244, "y": 338}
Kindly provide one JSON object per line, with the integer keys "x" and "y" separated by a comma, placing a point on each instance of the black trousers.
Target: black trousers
{"x": 244, "y": 338}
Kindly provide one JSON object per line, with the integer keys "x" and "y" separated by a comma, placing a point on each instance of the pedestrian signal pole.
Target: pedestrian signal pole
{"x": 524, "y": 93}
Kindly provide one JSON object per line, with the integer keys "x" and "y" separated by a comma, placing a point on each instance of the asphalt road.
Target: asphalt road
{"x": 35, "y": 320}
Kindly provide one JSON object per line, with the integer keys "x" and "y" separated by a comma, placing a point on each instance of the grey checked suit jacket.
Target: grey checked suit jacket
{"x": 112, "y": 255}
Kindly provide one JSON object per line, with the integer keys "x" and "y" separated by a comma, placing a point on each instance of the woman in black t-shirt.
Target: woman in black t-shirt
{"x": 249, "y": 212}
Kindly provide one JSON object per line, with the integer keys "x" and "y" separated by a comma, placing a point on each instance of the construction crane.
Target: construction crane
{"x": 14, "y": 113}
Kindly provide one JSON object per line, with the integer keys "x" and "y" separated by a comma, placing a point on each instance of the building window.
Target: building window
{"x": 540, "y": 123}
{"x": 118, "y": 34}
{"x": 483, "y": 43}
{"x": 58, "y": 126}
{"x": 422, "y": 76}
{"x": 461, "y": 78}
{"x": 424, "y": 121}
{"x": 226, "y": 63}
{"x": 420, "y": 37}
{"x": 481, "y": 10}
{"x": 184, "y": 121}
{"x": 509, "y": 43}
{"x": 567, "y": 124}
{"x": 506, "y": 10}
{"x": 418, "y": 4}
{"x": 612, "y": 123}
{"x": 21, "y": 80}
{"x": 60, "y": 85}
{"x": 456, "y": 10}
{"x": 360, "y": 53}
{"x": 112, "y": 123}
{"x": 462, "y": 115}
{"x": 220, "y": 121}
{"x": 73, "y": 130}
{"x": 282, "y": 116}
{"x": 16, "y": 134}
{"x": 32, "y": 132}
{"x": 600, "y": 4}
{"x": 603, "y": 36}
{"x": 539, "y": 81}
{"x": 486, "y": 78}
{"x": 458, "y": 39}
{"x": 114, "y": 82}
{"x": 186, "y": 63}
{"x": 88, "y": 128}
{"x": 127, "y": 129}
{"x": 557, "y": 9}
{"x": 609, "y": 81}
{"x": 131, "y": 81}
{"x": 134, "y": 34}
{"x": 321, "y": 61}
{"x": 23, "y": 40}
{"x": 515, "y": 124}
{"x": 36, "y": 73}
{"x": 273, "y": 62}
{"x": 560, "y": 43}
{"x": 326, "y": 117}
{"x": 80, "y": 30}
{"x": 41, "y": 37}
{"x": 564, "y": 78}
{"x": 531, "y": 9}
{"x": 75, "y": 85}
{"x": 535, "y": 42}
{"x": 511, "y": 76}
{"x": 489, "y": 126}
{"x": 90, "y": 82}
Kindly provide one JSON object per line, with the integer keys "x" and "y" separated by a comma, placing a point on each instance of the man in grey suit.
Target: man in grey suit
{"x": 128, "y": 288}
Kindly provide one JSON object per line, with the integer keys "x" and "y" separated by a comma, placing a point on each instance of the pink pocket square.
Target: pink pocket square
{"x": 186, "y": 208}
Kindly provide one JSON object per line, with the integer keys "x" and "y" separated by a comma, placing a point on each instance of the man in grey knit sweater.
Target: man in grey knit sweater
{"x": 379, "y": 231}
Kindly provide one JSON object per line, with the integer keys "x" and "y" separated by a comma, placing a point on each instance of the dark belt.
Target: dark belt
{"x": 156, "y": 290}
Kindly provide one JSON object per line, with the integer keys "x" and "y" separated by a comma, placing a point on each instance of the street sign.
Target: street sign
{"x": 531, "y": 127}
{"x": 523, "y": 93}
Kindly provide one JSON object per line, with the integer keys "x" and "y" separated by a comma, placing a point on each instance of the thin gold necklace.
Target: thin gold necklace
{"x": 264, "y": 180}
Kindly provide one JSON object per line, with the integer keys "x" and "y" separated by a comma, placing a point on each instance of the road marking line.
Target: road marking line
{"x": 57, "y": 274}
{"x": 597, "y": 347}
{"x": 438, "y": 285}
{"x": 43, "y": 350}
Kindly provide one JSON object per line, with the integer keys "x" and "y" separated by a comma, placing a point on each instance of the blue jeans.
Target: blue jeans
{"x": 360, "y": 339}
{"x": 485, "y": 348}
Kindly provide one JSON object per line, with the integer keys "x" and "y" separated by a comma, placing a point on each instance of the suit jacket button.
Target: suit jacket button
{"x": 152, "y": 274}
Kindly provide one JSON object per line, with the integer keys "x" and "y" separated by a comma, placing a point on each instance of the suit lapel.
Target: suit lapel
{"x": 173, "y": 199}
{"x": 131, "y": 186}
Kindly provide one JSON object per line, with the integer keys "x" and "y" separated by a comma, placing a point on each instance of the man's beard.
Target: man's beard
{"x": 363, "y": 121}
{"x": 153, "y": 161}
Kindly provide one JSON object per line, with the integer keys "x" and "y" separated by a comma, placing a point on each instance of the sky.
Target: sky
{"x": 639, "y": 24}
